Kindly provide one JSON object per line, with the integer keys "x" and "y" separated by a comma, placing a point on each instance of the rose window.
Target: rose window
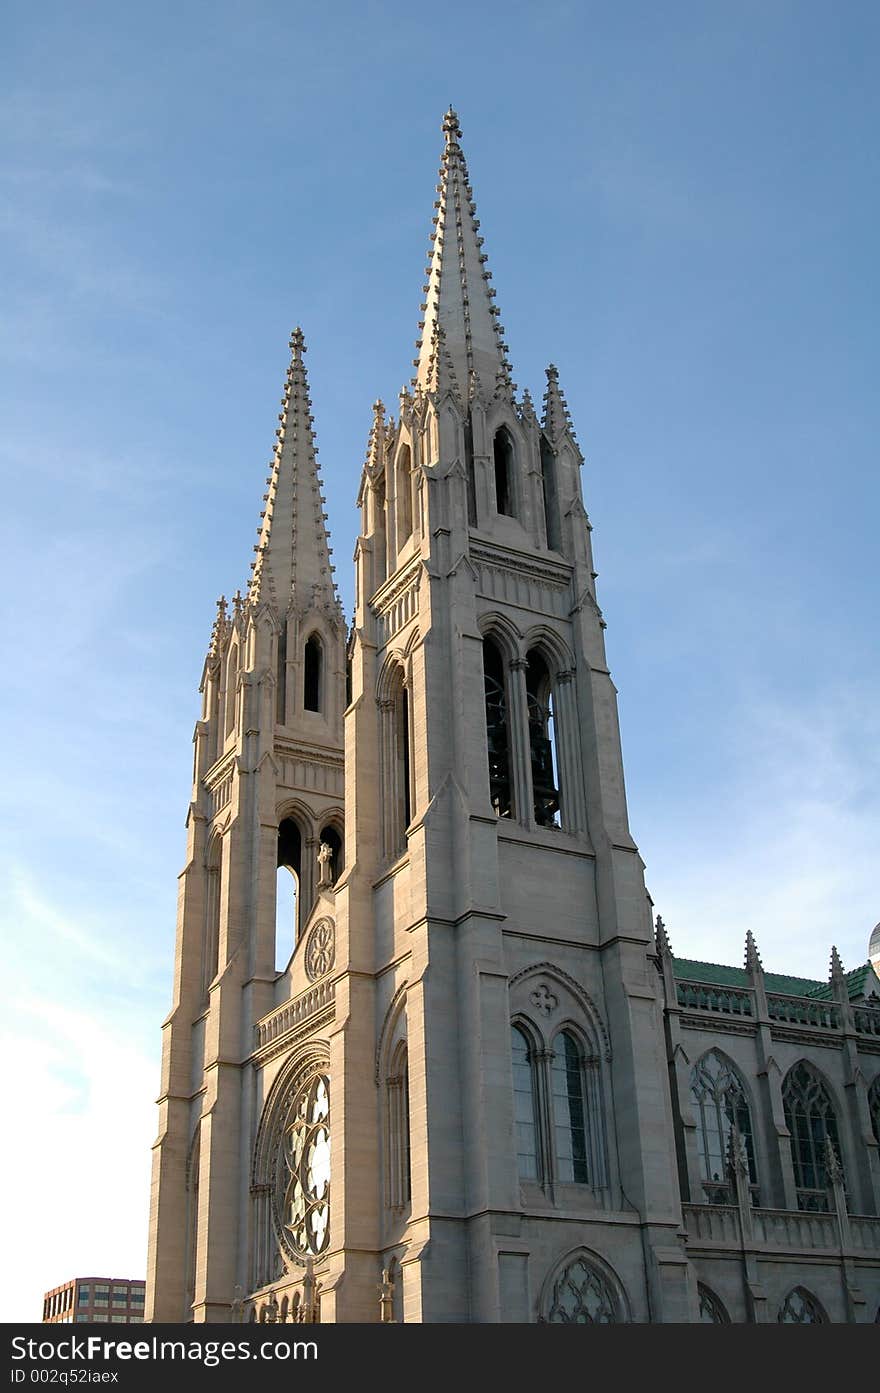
{"x": 304, "y": 1179}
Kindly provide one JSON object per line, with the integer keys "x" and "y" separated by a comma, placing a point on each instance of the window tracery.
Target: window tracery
{"x": 719, "y": 1100}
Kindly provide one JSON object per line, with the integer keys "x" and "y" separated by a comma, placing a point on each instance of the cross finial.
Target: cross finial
{"x": 451, "y": 127}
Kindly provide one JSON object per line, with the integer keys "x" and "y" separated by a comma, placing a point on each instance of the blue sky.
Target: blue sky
{"x": 680, "y": 211}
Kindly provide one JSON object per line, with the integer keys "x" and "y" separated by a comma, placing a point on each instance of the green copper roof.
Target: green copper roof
{"x": 859, "y": 981}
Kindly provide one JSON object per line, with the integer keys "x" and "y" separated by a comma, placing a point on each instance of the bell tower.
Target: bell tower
{"x": 265, "y": 842}
{"x": 442, "y": 1095}
{"x": 496, "y": 902}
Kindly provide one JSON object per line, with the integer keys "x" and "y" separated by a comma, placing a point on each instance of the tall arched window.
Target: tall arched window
{"x": 800, "y": 1307}
{"x": 712, "y": 1310}
{"x": 524, "y": 1107}
{"x": 551, "y": 498}
{"x": 570, "y": 1115}
{"x": 313, "y": 664}
{"x": 497, "y": 730}
{"x": 503, "y": 455}
{"x": 211, "y": 943}
{"x": 231, "y": 688}
{"x": 404, "y": 497}
{"x": 397, "y": 1090}
{"x": 810, "y": 1117}
{"x": 287, "y": 887}
{"x": 397, "y": 781}
{"x": 471, "y": 473}
{"x": 543, "y": 741}
{"x": 719, "y": 1101}
{"x": 874, "y": 1106}
{"x": 281, "y": 676}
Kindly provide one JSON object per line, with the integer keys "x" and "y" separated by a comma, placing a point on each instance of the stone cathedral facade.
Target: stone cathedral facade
{"x": 429, "y": 1056}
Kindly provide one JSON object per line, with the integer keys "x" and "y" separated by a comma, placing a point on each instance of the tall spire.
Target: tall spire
{"x": 293, "y": 553}
{"x": 461, "y": 347}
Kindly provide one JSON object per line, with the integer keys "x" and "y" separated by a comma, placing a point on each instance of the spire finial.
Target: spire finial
{"x": 451, "y": 126}
{"x": 837, "y": 973}
{"x": 297, "y": 342}
{"x": 661, "y": 938}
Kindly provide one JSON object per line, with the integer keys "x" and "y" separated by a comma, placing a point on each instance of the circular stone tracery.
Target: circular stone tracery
{"x": 303, "y": 1189}
{"x": 320, "y": 949}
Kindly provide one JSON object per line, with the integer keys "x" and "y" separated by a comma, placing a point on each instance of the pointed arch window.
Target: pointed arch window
{"x": 313, "y": 674}
{"x": 720, "y": 1103}
{"x": 811, "y": 1119}
{"x": 874, "y": 1107}
{"x": 712, "y": 1311}
{"x": 524, "y": 1106}
{"x": 397, "y": 1102}
{"x": 211, "y": 943}
{"x": 543, "y": 741}
{"x": 281, "y": 676}
{"x": 582, "y": 1295}
{"x": 503, "y": 456}
{"x": 231, "y": 686}
{"x": 570, "y": 1116}
{"x": 800, "y": 1307}
{"x": 497, "y": 730}
{"x": 551, "y": 497}
{"x": 397, "y": 778}
{"x": 288, "y": 882}
{"x": 404, "y": 497}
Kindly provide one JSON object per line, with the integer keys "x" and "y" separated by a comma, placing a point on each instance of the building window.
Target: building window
{"x": 288, "y": 880}
{"x": 581, "y": 1295}
{"x": 561, "y": 1085}
{"x": 397, "y": 1095}
{"x": 281, "y": 676}
{"x": 874, "y": 1106}
{"x": 404, "y": 498}
{"x": 84, "y": 1296}
{"x": 313, "y": 662}
{"x": 811, "y": 1119}
{"x": 497, "y": 729}
{"x": 504, "y": 468}
{"x": 524, "y": 1106}
{"x": 551, "y": 499}
{"x": 397, "y": 781}
{"x": 471, "y": 474}
{"x": 712, "y": 1310}
{"x": 542, "y": 741}
{"x": 304, "y": 1167}
{"x": 231, "y": 685}
{"x": 211, "y": 945}
{"x": 801, "y": 1308}
{"x": 719, "y": 1102}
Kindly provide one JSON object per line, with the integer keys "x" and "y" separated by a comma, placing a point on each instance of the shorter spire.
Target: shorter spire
{"x": 557, "y": 419}
{"x": 837, "y": 973}
{"x": 753, "y": 963}
{"x": 661, "y": 939}
{"x": 218, "y": 629}
{"x": 833, "y": 1168}
{"x": 376, "y": 441}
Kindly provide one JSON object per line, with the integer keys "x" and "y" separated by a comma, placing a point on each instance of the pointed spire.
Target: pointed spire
{"x": 376, "y": 442}
{"x": 661, "y": 938}
{"x": 753, "y": 963}
{"x": 461, "y": 336}
{"x": 737, "y": 1155}
{"x": 837, "y": 973}
{"x": 219, "y": 628}
{"x": 293, "y": 553}
{"x": 557, "y": 419}
{"x": 527, "y": 409}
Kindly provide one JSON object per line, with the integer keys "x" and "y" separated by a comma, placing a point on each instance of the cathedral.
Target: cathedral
{"x": 430, "y": 1055}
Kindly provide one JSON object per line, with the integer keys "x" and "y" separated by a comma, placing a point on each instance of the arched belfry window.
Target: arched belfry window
{"x": 497, "y": 730}
{"x": 811, "y": 1119}
{"x": 527, "y": 1158}
{"x": 231, "y": 688}
{"x": 313, "y": 675}
{"x": 502, "y": 449}
{"x": 399, "y": 1183}
{"x": 719, "y": 1101}
{"x": 543, "y": 741}
{"x": 287, "y": 891}
{"x": 551, "y": 497}
{"x": 281, "y": 676}
{"x": 397, "y": 776}
{"x": 471, "y": 473}
{"x": 404, "y": 497}
{"x": 211, "y": 944}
